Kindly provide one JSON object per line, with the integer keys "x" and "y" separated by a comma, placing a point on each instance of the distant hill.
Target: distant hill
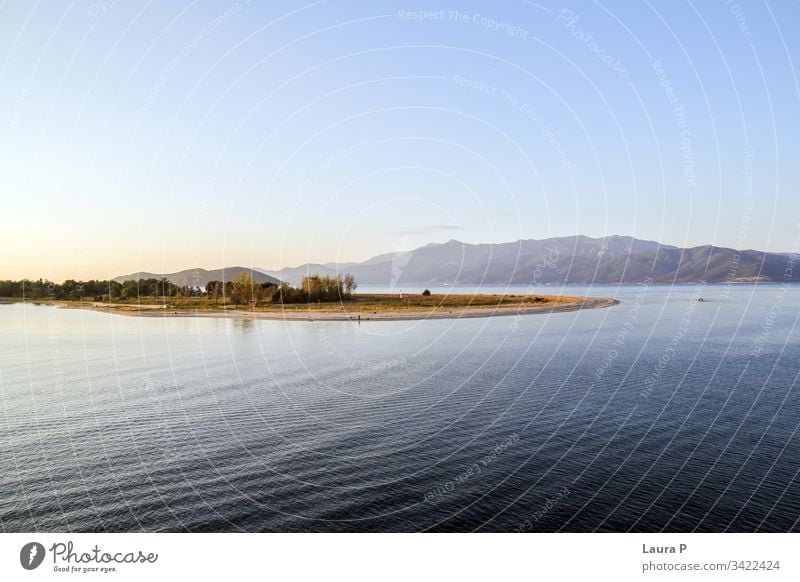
{"x": 572, "y": 259}
{"x": 200, "y": 277}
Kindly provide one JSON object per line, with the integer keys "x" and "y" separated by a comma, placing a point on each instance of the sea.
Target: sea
{"x": 662, "y": 413}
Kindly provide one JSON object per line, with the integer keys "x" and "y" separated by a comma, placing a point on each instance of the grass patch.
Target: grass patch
{"x": 359, "y": 303}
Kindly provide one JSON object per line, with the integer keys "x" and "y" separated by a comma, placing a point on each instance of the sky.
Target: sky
{"x": 165, "y": 136}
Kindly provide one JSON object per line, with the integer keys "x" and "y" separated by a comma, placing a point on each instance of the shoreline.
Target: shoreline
{"x": 354, "y": 316}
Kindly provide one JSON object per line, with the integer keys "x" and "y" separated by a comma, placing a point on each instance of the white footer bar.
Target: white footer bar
{"x": 415, "y": 557}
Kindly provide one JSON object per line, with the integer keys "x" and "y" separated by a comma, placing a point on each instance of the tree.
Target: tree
{"x": 165, "y": 287}
{"x": 130, "y": 290}
{"x": 312, "y": 285}
{"x": 245, "y": 290}
{"x": 285, "y": 293}
{"x": 427, "y": 293}
{"x": 350, "y": 284}
{"x": 214, "y": 288}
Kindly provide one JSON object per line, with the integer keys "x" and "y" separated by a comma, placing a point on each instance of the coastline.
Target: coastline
{"x": 354, "y": 316}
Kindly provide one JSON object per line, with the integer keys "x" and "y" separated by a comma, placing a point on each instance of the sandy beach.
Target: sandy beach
{"x": 344, "y": 315}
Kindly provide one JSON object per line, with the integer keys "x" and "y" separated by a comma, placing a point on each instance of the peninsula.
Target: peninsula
{"x": 316, "y": 298}
{"x": 363, "y": 307}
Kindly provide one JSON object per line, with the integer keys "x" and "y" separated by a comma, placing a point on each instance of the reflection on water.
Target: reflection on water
{"x": 244, "y": 325}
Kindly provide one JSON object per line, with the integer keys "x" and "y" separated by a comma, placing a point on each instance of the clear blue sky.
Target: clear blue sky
{"x": 162, "y": 136}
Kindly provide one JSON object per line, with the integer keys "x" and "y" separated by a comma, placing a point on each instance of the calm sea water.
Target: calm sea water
{"x": 662, "y": 413}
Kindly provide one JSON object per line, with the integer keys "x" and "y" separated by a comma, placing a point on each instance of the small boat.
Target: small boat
{"x": 700, "y": 299}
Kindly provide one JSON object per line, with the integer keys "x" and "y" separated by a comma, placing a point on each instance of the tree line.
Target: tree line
{"x": 317, "y": 288}
{"x": 242, "y": 290}
{"x": 94, "y": 289}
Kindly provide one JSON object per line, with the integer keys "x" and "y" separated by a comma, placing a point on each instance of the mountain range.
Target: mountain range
{"x": 200, "y": 277}
{"x": 572, "y": 259}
